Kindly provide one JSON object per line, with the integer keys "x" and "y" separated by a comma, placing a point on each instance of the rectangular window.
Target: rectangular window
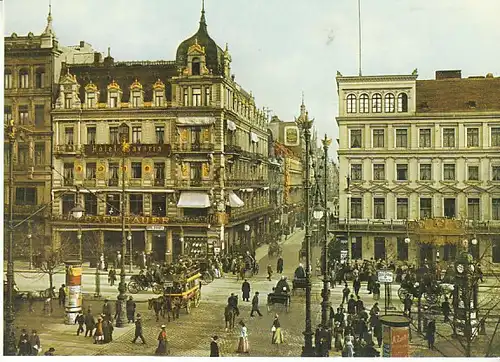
{"x": 356, "y": 208}
{"x": 136, "y": 170}
{"x": 425, "y": 172}
{"x": 473, "y": 209}
{"x": 68, "y": 173}
{"x": 449, "y": 252}
{"x": 136, "y": 99}
{"x": 23, "y": 115}
{"x": 159, "y": 173}
{"x": 113, "y": 174}
{"x": 159, "y": 205}
{"x": 449, "y": 172}
{"x": 23, "y": 80}
{"x": 40, "y": 154}
{"x": 39, "y": 79}
{"x": 473, "y": 173}
{"x": 378, "y": 138}
{"x": 114, "y": 137}
{"x": 425, "y": 208}
{"x": 356, "y": 138}
{"x": 113, "y": 101}
{"x": 186, "y": 97}
{"x": 23, "y": 155}
{"x": 90, "y": 201}
{"x": 196, "y": 97}
{"x": 449, "y": 208}
{"x": 7, "y": 114}
{"x": 68, "y": 100}
{"x": 113, "y": 204}
{"x": 495, "y": 173}
{"x": 68, "y": 136}
{"x": 379, "y": 247}
{"x": 39, "y": 115}
{"x": 8, "y": 80}
{"x": 68, "y": 203}
{"x": 90, "y": 171}
{"x": 495, "y": 137}
{"x": 158, "y": 99}
{"x": 91, "y": 100}
{"x": 357, "y": 248}
{"x": 402, "y": 172}
{"x": 424, "y": 137}
{"x": 472, "y": 137}
{"x": 402, "y": 138}
{"x": 26, "y": 196}
{"x": 495, "y": 209}
{"x": 448, "y": 137}
{"x": 136, "y": 134}
{"x": 160, "y": 134}
{"x": 402, "y": 208}
{"x": 379, "y": 208}
{"x": 195, "y": 168}
{"x": 379, "y": 172}
{"x": 207, "y": 96}
{"x": 136, "y": 204}
{"x": 91, "y": 135}
{"x": 356, "y": 172}
{"x": 402, "y": 249}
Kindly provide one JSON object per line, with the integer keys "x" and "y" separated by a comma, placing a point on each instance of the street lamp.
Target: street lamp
{"x": 77, "y": 213}
{"x": 349, "y": 241}
{"x": 129, "y": 238}
{"x": 247, "y": 235}
{"x": 318, "y": 212}
{"x": 30, "y": 241}
{"x": 306, "y": 124}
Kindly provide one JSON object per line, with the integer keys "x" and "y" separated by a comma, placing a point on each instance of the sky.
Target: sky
{"x": 281, "y": 48}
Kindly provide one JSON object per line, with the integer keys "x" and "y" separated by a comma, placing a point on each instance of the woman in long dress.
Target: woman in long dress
{"x": 243, "y": 346}
{"x": 276, "y": 329}
{"x": 162, "y": 348}
{"x": 99, "y": 333}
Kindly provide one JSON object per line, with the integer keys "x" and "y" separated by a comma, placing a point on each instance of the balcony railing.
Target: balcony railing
{"x": 232, "y": 149}
{"x": 194, "y": 183}
{"x": 65, "y": 148}
{"x": 113, "y": 182}
{"x": 194, "y": 147}
{"x": 159, "y": 182}
{"x": 68, "y": 181}
{"x": 24, "y": 209}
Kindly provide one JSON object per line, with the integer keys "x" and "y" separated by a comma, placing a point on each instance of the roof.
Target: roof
{"x": 475, "y": 94}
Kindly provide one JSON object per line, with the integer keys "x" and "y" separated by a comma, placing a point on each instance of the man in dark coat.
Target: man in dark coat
{"x": 138, "y": 330}
{"x": 118, "y": 309}
{"x": 345, "y": 293}
{"x": 359, "y": 305}
{"x": 80, "y": 319}
{"x": 407, "y": 305}
{"x": 214, "y": 347}
{"x": 107, "y": 309}
{"x": 445, "y": 307}
{"x": 107, "y": 328}
{"x": 233, "y": 302}
{"x": 89, "y": 323}
{"x": 24, "y": 344}
{"x": 279, "y": 265}
{"x": 356, "y": 284}
{"x": 130, "y": 309}
{"x": 34, "y": 342}
{"x": 245, "y": 289}
{"x": 255, "y": 305}
{"x": 351, "y": 305}
{"x": 62, "y": 295}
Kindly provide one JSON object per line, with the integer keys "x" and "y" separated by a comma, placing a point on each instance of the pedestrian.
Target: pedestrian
{"x": 269, "y": 272}
{"x": 24, "y": 348}
{"x": 430, "y": 334}
{"x": 80, "y": 319}
{"x": 34, "y": 342}
{"x": 106, "y": 309}
{"x": 31, "y": 302}
{"x": 243, "y": 346}
{"x": 101, "y": 262}
{"x": 47, "y": 306}
{"x": 162, "y": 348}
{"x": 279, "y": 265}
{"x": 345, "y": 294}
{"x": 376, "y": 290}
{"x": 112, "y": 276}
{"x": 277, "y": 337}
{"x": 118, "y": 309}
{"x": 138, "y": 330}
{"x": 214, "y": 347}
{"x": 359, "y": 305}
{"x": 351, "y": 305}
{"x": 369, "y": 285}
{"x": 118, "y": 260}
{"x": 89, "y": 323}
{"x": 349, "y": 348}
{"x": 407, "y": 302}
{"x": 377, "y": 330}
{"x": 130, "y": 309}
{"x": 356, "y": 284}
{"x": 480, "y": 274}
{"x": 245, "y": 289}
{"x": 255, "y": 305}
{"x": 106, "y": 330}
{"x": 62, "y": 295}
{"x": 50, "y": 352}
{"x": 99, "y": 333}
{"x": 338, "y": 333}
{"x": 445, "y": 307}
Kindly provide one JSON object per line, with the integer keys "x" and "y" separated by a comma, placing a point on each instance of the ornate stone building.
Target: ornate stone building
{"x": 198, "y": 161}
{"x": 414, "y": 151}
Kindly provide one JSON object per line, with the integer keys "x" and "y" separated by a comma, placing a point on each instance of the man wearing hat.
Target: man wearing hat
{"x": 50, "y": 352}
{"x": 130, "y": 309}
{"x": 255, "y": 305}
{"x": 138, "y": 330}
{"x": 214, "y": 347}
{"x": 106, "y": 309}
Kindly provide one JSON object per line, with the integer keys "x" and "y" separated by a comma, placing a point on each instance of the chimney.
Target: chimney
{"x": 97, "y": 57}
{"x": 448, "y": 74}
{"x": 82, "y": 43}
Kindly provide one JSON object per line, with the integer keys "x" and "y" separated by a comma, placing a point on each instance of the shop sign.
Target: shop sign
{"x": 385, "y": 276}
{"x": 155, "y": 228}
{"x": 105, "y": 219}
{"x": 144, "y": 150}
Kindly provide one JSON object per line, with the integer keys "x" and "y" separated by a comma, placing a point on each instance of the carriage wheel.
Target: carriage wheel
{"x": 188, "y": 306}
{"x": 156, "y": 288}
{"x": 287, "y": 305}
{"x": 133, "y": 287}
{"x": 402, "y": 292}
{"x": 197, "y": 299}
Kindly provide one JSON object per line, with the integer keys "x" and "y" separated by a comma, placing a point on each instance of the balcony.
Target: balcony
{"x": 193, "y": 147}
{"x": 25, "y": 209}
{"x": 232, "y": 149}
{"x": 194, "y": 183}
{"x": 247, "y": 183}
{"x": 159, "y": 182}
{"x": 113, "y": 182}
{"x": 67, "y": 149}
{"x": 68, "y": 181}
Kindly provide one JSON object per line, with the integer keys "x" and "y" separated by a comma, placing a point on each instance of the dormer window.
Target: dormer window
{"x": 159, "y": 99}
{"x": 159, "y": 93}
{"x": 114, "y": 94}
{"x": 91, "y": 95}
{"x": 68, "y": 100}
{"x": 91, "y": 100}
{"x": 136, "y": 99}
{"x": 113, "y": 100}
{"x": 136, "y": 94}
{"x": 196, "y": 66}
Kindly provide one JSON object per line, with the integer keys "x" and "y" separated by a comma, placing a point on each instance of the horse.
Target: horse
{"x": 229, "y": 316}
{"x": 158, "y": 304}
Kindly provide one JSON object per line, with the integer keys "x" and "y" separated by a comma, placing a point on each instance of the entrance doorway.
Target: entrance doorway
{"x": 426, "y": 252}
{"x": 159, "y": 247}
{"x": 379, "y": 248}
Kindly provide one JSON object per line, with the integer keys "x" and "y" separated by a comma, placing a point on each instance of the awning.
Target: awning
{"x": 254, "y": 137}
{"x": 193, "y": 200}
{"x": 231, "y": 125}
{"x": 234, "y": 200}
{"x": 195, "y": 121}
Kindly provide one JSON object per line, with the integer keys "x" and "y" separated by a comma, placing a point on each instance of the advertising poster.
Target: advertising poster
{"x": 386, "y": 342}
{"x": 292, "y": 137}
{"x": 399, "y": 342}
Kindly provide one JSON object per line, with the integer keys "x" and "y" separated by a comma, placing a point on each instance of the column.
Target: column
{"x": 169, "y": 247}
{"x": 148, "y": 245}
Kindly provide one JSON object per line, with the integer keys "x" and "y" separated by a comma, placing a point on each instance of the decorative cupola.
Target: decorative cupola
{"x": 114, "y": 95}
{"x": 159, "y": 94}
{"x": 196, "y": 60}
{"x": 68, "y": 92}
{"x": 136, "y": 95}
{"x": 48, "y": 35}
{"x": 91, "y": 96}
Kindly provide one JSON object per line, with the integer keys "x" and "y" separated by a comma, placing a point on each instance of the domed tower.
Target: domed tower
{"x": 199, "y": 54}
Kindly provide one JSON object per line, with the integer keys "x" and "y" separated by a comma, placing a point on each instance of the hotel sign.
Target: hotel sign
{"x": 105, "y": 219}
{"x": 143, "y": 150}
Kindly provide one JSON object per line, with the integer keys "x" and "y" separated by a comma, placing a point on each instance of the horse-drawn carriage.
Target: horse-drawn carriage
{"x": 280, "y": 295}
{"x": 139, "y": 283}
{"x": 432, "y": 292}
{"x": 184, "y": 289}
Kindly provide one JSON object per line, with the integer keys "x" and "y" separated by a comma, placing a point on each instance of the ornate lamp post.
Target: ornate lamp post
{"x": 129, "y": 238}
{"x": 30, "y": 241}
{"x": 77, "y": 212}
{"x": 306, "y": 124}
{"x": 121, "y": 321}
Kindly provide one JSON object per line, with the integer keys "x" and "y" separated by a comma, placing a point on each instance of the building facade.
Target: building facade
{"x": 196, "y": 164}
{"x": 419, "y": 160}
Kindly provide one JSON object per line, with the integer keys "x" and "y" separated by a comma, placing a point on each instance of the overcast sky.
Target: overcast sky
{"x": 280, "y": 48}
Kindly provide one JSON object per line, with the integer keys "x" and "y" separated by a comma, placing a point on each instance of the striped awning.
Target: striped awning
{"x": 193, "y": 200}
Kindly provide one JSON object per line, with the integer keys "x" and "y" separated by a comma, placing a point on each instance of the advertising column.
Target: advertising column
{"x": 395, "y": 335}
{"x": 73, "y": 304}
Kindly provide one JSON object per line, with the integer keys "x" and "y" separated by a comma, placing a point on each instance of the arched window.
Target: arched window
{"x": 195, "y": 66}
{"x": 23, "y": 78}
{"x": 40, "y": 78}
{"x": 351, "y": 103}
{"x": 364, "y": 103}
{"x": 376, "y": 103}
{"x": 389, "y": 103}
{"x": 402, "y": 102}
{"x": 8, "y": 79}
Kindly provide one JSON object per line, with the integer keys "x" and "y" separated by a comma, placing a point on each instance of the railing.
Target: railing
{"x": 193, "y": 147}
{"x": 113, "y": 182}
{"x": 247, "y": 183}
{"x": 232, "y": 149}
{"x": 24, "y": 209}
{"x": 67, "y": 148}
{"x": 159, "y": 182}
{"x": 69, "y": 181}
{"x": 194, "y": 183}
